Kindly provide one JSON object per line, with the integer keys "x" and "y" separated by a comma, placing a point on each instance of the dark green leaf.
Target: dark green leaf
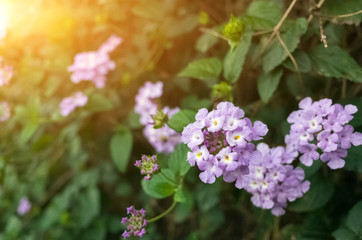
{"x": 276, "y": 53}
{"x": 340, "y": 7}
{"x": 204, "y": 69}
{"x": 234, "y": 60}
{"x": 181, "y": 119}
{"x": 207, "y": 195}
{"x": 205, "y": 42}
{"x": 178, "y": 160}
{"x": 158, "y": 186}
{"x": 179, "y": 195}
{"x": 194, "y": 103}
{"x": 354, "y": 159}
{"x": 262, "y": 15}
{"x": 335, "y": 62}
{"x": 352, "y": 228}
{"x": 121, "y": 147}
{"x": 303, "y": 62}
{"x": 320, "y": 192}
{"x": 184, "y": 209}
{"x": 268, "y": 83}
{"x": 98, "y": 103}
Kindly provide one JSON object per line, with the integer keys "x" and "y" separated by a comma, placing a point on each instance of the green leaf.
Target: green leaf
{"x": 334, "y": 61}
{"x": 262, "y": 15}
{"x": 158, "y": 186}
{"x": 178, "y": 160}
{"x": 303, "y": 61}
{"x": 179, "y": 195}
{"x": 184, "y": 209}
{"x": 340, "y": 7}
{"x": 194, "y": 103}
{"x": 320, "y": 192}
{"x": 178, "y": 27}
{"x": 352, "y": 228}
{"x": 98, "y": 103}
{"x": 204, "y": 69}
{"x": 207, "y": 195}
{"x": 205, "y": 42}
{"x": 121, "y": 147}
{"x": 88, "y": 206}
{"x": 276, "y": 53}
{"x": 354, "y": 159}
{"x": 268, "y": 83}
{"x": 310, "y": 171}
{"x": 234, "y": 60}
{"x": 181, "y": 119}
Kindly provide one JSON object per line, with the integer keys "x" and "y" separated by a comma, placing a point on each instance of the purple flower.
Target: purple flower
{"x": 148, "y": 166}
{"x": 94, "y": 65}
{"x": 272, "y": 181}
{"x": 220, "y": 142}
{"x": 4, "y": 111}
{"x": 68, "y": 104}
{"x": 163, "y": 139}
{"x": 6, "y": 73}
{"x": 135, "y": 223}
{"x": 322, "y": 125}
{"x": 24, "y": 206}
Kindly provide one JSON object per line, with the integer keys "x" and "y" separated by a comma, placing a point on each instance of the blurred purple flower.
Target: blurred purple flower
{"x": 6, "y": 73}
{"x": 322, "y": 125}
{"x": 4, "y": 111}
{"x": 24, "y": 206}
{"x": 68, "y": 104}
{"x": 163, "y": 139}
{"x": 94, "y": 65}
{"x": 136, "y": 223}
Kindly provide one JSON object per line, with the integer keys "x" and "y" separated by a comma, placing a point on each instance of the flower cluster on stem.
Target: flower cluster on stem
{"x": 136, "y": 223}
{"x": 163, "y": 138}
{"x": 148, "y": 166}
{"x": 220, "y": 142}
{"x": 323, "y": 126}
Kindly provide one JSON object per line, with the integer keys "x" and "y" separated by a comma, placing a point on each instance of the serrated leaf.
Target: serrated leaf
{"x": 204, "y": 69}
{"x": 205, "y": 42}
{"x": 303, "y": 61}
{"x": 184, "y": 209}
{"x": 340, "y": 7}
{"x": 335, "y": 62}
{"x": 343, "y": 234}
{"x": 262, "y": 15}
{"x": 181, "y": 119}
{"x": 276, "y": 53}
{"x": 320, "y": 192}
{"x": 234, "y": 60}
{"x": 121, "y": 147}
{"x": 178, "y": 160}
{"x": 158, "y": 186}
{"x": 268, "y": 83}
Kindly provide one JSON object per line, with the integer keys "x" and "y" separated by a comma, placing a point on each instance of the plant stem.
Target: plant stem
{"x": 276, "y": 234}
{"x": 162, "y": 214}
{"x": 320, "y": 3}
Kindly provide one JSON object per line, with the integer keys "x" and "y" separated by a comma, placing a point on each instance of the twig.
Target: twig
{"x": 262, "y": 32}
{"x": 277, "y": 27}
{"x": 348, "y": 14}
{"x": 319, "y": 5}
{"x": 291, "y": 58}
{"x": 323, "y": 37}
{"x": 213, "y": 32}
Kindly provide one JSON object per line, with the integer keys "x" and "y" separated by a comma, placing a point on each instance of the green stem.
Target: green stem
{"x": 162, "y": 214}
{"x": 276, "y": 228}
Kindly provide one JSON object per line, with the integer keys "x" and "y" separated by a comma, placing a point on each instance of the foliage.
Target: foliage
{"x": 78, "y": 170}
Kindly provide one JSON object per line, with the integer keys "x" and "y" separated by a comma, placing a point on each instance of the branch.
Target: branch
{"x": 319, "y": 5}
{"x": 213, "y": 33}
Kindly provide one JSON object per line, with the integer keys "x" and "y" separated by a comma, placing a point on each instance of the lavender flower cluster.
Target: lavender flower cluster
{"x": 163, "y": 139}
{"x": 68, "y": 104}
{"x": 136, "y": 223}
{"x": 94, "y": 65}
{"x": 321, "y": 125}
{"x": 272, "y": 180}
{"x": 220, "y": 142}
{"x": 148, "y": 166}
{"x": 6, "y": 73}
